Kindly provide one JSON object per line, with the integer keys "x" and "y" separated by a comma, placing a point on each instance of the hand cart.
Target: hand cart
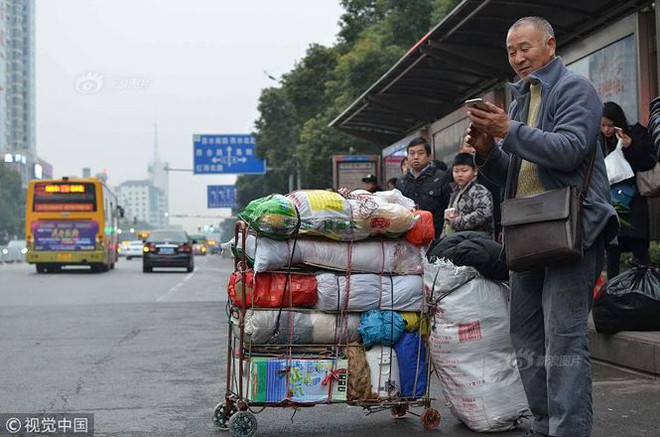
{"x": 237, "y": 412}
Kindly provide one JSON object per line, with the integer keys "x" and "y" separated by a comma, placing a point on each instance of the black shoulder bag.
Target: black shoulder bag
{"x": 544, "y": 228}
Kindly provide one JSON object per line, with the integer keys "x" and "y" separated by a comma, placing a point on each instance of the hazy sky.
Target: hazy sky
{"x": 194, "y": 66}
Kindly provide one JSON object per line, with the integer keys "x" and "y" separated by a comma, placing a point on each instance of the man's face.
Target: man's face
{"x": 528, "y": 49}
{"x": 417, "y": 157}
{"x": 369, "y": 186}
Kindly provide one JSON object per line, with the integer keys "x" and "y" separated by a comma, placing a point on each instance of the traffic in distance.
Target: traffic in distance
{"x": 74, "y": 222}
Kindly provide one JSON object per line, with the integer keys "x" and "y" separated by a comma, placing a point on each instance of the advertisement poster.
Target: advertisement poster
{"x": 348, "y": 170}
{"x": 64, "y": 235}
{"x": 613, "y": 71}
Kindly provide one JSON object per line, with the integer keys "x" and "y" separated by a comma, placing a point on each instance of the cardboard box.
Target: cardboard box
{"x": 299, "y": 380}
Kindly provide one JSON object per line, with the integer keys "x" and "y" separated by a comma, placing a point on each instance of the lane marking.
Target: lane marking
{"x": 177, "y": 286}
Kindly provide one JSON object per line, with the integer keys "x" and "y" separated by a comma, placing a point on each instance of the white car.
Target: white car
{"x": 133, "y": 249}
{"x": 14, "y": 252}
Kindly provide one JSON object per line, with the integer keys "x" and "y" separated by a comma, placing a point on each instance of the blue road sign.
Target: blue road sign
{"x": 221, "y": 196}
{"x": 226, "y": 154}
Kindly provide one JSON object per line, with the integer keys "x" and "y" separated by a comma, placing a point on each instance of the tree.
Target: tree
{"x": 283, "y": 111}
{"x": 292, "y": 130}
{"x": 12, "y": 204}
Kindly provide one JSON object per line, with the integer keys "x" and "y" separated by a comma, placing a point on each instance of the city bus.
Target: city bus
{"x": 71, "y": 222}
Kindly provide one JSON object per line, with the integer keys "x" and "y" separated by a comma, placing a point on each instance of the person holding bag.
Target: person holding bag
{"x": 637, "y": 147}
{"x": 549, "y": 148}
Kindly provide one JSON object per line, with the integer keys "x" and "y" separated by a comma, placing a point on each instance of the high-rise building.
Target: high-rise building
{"x": 143, "y": 202}
{"x": 158, "y": 173}
{"x": 17, "y": 87}
{"x": 147, "y": 200}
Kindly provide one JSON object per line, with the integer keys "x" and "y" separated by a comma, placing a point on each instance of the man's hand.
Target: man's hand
{"x": 479, "y": 141}
{"x": 494, "y": 122}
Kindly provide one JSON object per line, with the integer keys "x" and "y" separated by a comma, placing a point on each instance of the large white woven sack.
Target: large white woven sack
{"x": 472, "y": 352}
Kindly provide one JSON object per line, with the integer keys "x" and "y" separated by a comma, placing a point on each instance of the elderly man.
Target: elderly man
{"x": 548, "y": 137}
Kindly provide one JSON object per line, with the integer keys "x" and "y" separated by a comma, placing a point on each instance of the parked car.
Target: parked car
{"x": 14, "y": 252}
{"x": 133, "y": 249}
{"x": 168, "y": 248}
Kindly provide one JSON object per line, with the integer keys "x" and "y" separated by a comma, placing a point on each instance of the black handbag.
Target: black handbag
{"x": 544, "y": 228}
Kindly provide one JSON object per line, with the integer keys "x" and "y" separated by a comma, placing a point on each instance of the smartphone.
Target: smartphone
{"x": 477, "y": 103}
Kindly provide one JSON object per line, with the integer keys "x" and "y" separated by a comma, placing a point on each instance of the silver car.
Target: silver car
{"x": 14, "y": 252}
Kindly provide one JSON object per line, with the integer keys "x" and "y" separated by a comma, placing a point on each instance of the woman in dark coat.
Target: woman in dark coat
{"x": 637, "y": 149}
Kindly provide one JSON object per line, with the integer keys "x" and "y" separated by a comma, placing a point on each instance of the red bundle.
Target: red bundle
{"x": 423, "y": 232}
{"x": 267, "y": 290}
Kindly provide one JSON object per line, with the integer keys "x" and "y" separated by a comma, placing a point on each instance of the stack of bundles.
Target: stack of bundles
{"x": 360, "y": 256}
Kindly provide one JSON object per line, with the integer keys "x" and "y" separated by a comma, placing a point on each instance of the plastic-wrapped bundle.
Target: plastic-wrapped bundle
{"x": 274, "y": 215}
{"x": 369, "y": 291}
{"x": 374, "y": 256}
{"x": 299, "y": 327}
{"x": 272, "y": 290}
{"x": 411, "y": 356}
{"x": 380, "y": 327}
{"x": 328, "y": 214}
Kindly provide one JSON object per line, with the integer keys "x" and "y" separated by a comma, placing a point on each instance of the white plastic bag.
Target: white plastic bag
{"x": 618, "y": 168}
{"x": 472, "y": 352}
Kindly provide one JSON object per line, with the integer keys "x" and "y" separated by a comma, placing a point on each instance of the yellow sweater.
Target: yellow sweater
{"x": 528, "y": 179}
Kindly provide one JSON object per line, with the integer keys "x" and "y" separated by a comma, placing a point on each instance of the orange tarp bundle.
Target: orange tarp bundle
{"x": 423, "y": 232}
{"x": 273, "y": 290}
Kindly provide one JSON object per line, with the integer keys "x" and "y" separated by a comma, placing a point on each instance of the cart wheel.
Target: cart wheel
{"x": 243, "y": 424}
{"x": 430, "y": 418}
{"x": 221, "y": 415}
{"x": 399, "y": 411}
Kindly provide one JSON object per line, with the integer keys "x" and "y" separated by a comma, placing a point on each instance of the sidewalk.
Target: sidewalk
{"x": 639, "y": 351}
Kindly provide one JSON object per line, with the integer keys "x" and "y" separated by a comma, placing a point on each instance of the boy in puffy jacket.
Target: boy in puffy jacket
{"x": 470, "y": 204}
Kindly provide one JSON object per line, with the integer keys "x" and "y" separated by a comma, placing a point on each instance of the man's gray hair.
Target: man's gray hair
{"x": 539, "y": 22}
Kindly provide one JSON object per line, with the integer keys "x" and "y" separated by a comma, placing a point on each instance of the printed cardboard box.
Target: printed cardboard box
{"x": 299, "y": 380}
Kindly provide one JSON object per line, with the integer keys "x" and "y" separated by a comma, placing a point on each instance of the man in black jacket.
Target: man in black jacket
{"x": 423, "y": 183}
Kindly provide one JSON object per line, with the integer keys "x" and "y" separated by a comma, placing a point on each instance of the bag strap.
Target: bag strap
{"x": 587, "y": 178}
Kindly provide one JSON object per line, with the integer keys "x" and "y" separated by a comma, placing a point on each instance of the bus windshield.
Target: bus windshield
{"x": 64, "y": 196}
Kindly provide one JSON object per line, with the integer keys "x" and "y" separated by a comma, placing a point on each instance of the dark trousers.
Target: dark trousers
{"x": 639, "y": 248}
{"x": 549, "y": 312}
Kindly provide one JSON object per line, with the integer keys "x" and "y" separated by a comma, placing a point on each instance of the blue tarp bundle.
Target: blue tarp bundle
{"x": 411, "y": 355}
{"x": 380, "y": 327}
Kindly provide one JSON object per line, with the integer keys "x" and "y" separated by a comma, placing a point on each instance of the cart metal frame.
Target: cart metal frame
{"x": 237, "y": 414}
